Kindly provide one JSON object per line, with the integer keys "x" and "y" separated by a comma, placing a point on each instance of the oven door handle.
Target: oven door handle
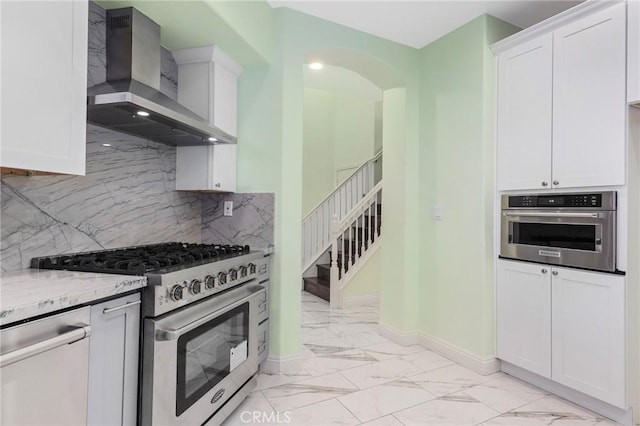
{"x": 163, "y": 334}
{"x": 556, "y": 214}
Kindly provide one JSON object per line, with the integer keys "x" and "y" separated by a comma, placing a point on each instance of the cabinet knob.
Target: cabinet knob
{"x": 544, "y": 271}
{"x": 544, "y": 183}
{"x": 555, "y": 182}
{"x": 555, "y": 272}
{"x": 217, "y": 185}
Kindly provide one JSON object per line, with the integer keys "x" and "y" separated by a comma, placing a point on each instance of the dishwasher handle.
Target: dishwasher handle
{"x": 74, "y": 335}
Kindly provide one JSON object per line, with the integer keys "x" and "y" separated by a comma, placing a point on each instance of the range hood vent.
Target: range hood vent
{"x": 130, "y": 101}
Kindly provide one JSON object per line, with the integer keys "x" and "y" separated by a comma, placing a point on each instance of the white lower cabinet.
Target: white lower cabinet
{"x": 113, "y": 362}
{"x": 564, "y": 324}
{"x": 588, "y": 333}
{"x": 523, "y": 300}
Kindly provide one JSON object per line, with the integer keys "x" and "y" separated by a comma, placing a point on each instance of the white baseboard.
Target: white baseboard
{"x": 481, "y": 365}
{"x": 484, "y": 366}
{"x": 286, "y": 364}
{"x": 403, "y": 338}
{"x": 619, "y": 415}
{"x": 365, "y": 299}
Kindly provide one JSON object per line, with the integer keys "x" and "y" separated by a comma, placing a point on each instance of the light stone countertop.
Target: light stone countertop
{"x": 31, "y": 292}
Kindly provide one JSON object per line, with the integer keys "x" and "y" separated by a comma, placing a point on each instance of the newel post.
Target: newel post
{"x": 334, "y": 286}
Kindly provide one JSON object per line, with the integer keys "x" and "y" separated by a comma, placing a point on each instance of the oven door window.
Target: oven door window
{"x": 559, "y": 235}
{"x": 207, "y": 354}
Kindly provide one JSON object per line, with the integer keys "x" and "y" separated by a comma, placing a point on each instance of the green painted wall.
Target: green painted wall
{"x": 457, "y": 152}
{"x": 338, "y": 135}
{"x": 367, "y": 280}
{"x": 318, "y": 168}
{"x": 270, "y": 149}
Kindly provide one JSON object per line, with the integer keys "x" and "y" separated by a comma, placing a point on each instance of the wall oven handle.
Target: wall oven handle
{"x": 74, "y": 335}
{"x": 117, "y": 308}
{"x": 555, "y": 214}
{"x": 172, "y": 334}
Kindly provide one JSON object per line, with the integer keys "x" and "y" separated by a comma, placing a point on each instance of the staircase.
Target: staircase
{"x": 347, "y": 223}
{"x": 320, "y": 285}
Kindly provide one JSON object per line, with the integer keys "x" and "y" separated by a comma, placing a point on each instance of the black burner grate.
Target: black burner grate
{"x": 142, "y": 259}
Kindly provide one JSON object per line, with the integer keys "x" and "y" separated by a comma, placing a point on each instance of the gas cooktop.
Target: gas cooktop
{"x": 140, "y": 260}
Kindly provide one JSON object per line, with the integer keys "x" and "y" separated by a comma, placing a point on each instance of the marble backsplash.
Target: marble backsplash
{"x": 251, "y": 223}
{"x": 127, "y": 197}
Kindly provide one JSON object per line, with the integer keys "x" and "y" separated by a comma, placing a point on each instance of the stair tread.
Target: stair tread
{"x": 316, "y": 280}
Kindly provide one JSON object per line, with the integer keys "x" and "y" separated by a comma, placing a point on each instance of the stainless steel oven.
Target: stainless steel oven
{"x": 201, "y": 357}
{"x": 577, "y": 230}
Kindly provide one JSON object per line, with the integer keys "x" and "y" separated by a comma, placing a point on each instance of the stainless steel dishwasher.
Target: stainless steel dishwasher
{"x": 44, "y": 370}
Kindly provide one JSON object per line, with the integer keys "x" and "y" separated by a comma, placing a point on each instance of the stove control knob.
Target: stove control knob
{"x": 222, "y": 278}
{"x": 195, "y": 286}
{"x": 209, "y": 282}
{"x": 176, "y": 292}
{"x": 233, "y": 274}
{"x": 252, "y": 268}
{"x": 243, "y": 271}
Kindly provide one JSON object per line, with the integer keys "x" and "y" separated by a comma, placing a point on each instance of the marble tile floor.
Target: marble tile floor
{"x": 353, "y": 376}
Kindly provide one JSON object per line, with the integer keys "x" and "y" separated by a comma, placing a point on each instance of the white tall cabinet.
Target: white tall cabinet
{"x": 564, "y": 324}
{"x": 44, "y": 85}
{"x": 561, "y": 105}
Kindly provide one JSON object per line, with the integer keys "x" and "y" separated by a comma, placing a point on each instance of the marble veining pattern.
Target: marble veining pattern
{"x": 31, "y": 292}
{"x": 251, "y": 223}
{"x": 97, "y": 54}
{"x": 347, "y": 381}
{"x": 127, "y": 198}
{"x": 168, "y": 74}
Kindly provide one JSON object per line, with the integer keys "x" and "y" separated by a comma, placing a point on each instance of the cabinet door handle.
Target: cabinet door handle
{"x": 555, "y": 272}
{"x": 544, "y": 271}
{"x": 556, "y": 183}
{"x": 117, "y": 308}
{"x": 545, "y": 183}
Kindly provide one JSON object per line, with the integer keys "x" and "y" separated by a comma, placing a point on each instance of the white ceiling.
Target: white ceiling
{"x": 419, "y": 22}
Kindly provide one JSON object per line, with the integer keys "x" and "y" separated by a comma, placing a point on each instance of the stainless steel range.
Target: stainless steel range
{"x": 202, "y": 308}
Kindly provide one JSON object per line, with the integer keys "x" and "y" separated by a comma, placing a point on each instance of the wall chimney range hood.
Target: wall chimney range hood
{"x": 130, "y": 101}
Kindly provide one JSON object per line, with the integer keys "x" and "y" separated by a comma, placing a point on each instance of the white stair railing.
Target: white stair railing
{"x": 357, "y": 236}
{"x": 316, "y": 226}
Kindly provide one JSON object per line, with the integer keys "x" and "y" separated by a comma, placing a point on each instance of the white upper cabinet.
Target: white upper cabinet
{"x": 44, "y": 85}
{"x": 206, "y": 168}
{"x": 588, "y": 332}
{"x": 523, "y": 315}
{"x": 524, "y": 115}
{"x": 562, "y": 104}
{"x": 589, "y": 108}
{"x": 208, "y": 85}
{"x": 633, "y": 47}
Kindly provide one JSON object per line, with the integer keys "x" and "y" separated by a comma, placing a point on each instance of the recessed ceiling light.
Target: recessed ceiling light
{"x": 106, "y": 144}
{"x": 316, "y": 66}
{"x": 212, "y": 139}
{"x": 143, "y": 113}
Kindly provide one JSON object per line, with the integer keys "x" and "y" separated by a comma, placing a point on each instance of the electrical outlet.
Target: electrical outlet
{"x": 228, "y": 208}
